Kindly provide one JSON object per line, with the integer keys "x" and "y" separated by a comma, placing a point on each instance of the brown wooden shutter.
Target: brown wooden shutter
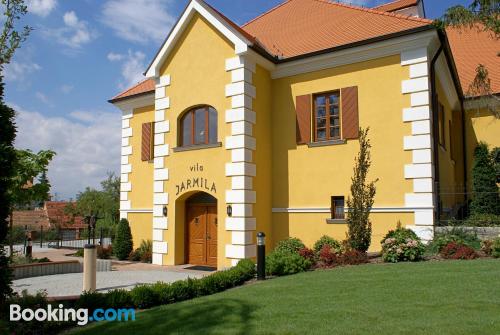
{"x": 303, "y": 119}
{"x": 147, "y": 145}
{"x": 349, "y": 112}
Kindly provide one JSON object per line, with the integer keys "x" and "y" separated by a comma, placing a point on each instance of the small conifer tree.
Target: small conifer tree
{"x": 123, "y": 244}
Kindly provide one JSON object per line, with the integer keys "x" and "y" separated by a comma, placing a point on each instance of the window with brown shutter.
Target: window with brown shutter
{"x": 350, "y": 113}
{"x": 303, "y": 118}
{"x": 147, "y": 144}
{"x": 327, "y": 116}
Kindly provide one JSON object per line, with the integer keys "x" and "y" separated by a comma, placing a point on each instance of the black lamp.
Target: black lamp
{"x": 165, "y": 211}
{"x": 229, "y": 210}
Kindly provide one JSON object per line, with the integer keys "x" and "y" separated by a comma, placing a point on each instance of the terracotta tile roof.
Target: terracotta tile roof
{"x": 145, "y": 86}
{"x": 471, "y": 47}
{"x": 397, "y": 5}
{"x": 58, "y": 217}
{"x": 299, "y": 27}
{"x": 33, "y": 219}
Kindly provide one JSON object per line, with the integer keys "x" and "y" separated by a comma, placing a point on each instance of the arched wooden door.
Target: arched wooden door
{"x": 201, "y": 232}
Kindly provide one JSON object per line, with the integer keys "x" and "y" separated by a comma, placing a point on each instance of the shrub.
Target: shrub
{"x": 402, "y": 245}
{"x": 144, "y": 253}
{"x": 104, "y": 252}
{"x": 487, "y": 247}
{"x": 91, "y": 301}
{"x": 308, "y": 254}
{"x": 483, "y": 220}
{"x": 455, "y": 250}
{"x": 281, "y": 263}
{"x": 78, "y": 253}
{"x": 484, "y": 182}
{"x": 144, "y": 296}
{"x": 456, "y": 234}
{"x": 123, "y": 244}
{"x": 353, "y": 257}
{"x": 327, "y": 240}
{"x": 119, "y": 298}
{"x": 328, "y": 257}
{"x": 495, "y": 249}
{"x": 291, "y": 244}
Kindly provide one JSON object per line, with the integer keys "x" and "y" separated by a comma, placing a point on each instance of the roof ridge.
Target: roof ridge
{"x": 389, "y": 3}
{"x": 128, "y": 90}
{"x": 265, "y": 13}
{"x": 373, "y": 11}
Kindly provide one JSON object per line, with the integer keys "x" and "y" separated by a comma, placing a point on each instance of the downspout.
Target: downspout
{"x": 435, "y": 133}
{"x": 464, "y": 161}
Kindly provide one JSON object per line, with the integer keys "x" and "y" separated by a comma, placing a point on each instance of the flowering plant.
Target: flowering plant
{"x": 402, "y": 245}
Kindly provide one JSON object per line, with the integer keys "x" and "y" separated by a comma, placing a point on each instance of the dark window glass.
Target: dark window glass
{"x": 199, "y": 126}
{"x": 327, "y": 116}
{"x": 337, "y": 209}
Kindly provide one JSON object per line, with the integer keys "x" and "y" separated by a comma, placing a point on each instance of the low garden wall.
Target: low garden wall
{"x": 483, "y": 233}
{"x": 54, "y": 268}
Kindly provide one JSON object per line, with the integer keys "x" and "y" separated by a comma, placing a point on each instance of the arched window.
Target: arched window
{"x": 198, "y": 126}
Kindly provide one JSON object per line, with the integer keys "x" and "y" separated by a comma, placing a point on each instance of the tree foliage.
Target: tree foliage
{"x": 122, "y": 244}
{"x": 10, "y": 39}
{"x": 483, "y": 12}
{"x": 486, "y": 197}
{"x": 362, "y": 197}
{"x": 28, "y": 166}
{"x": 104, "y": 203}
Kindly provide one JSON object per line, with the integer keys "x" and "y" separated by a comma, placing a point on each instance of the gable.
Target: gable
{"x": 239, "y": 38}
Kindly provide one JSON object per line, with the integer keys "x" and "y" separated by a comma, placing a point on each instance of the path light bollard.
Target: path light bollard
{"x": 261, "y": 256}
{"x": 89, "y": 268}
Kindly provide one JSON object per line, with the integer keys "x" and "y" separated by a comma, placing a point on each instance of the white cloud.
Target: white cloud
{"x": 139, "y": 21}
{"x": 43, "y": 98}
{"x": 41, "y": 7}
{"x": 20, "y": 71}
{"x": 113, "y": 57}
{"x": 85, "y": 151}
{"x": 74, "y": 34}
{"x": 66, "y": 88}
{"x": 133, "y": 66}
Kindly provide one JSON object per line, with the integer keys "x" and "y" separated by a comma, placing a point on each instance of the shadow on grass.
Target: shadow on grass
{"x": 185, "y": 318}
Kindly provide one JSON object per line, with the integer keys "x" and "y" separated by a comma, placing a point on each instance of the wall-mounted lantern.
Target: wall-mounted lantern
{"x": 165, "y": 211}
{"x": 229, "y": 210}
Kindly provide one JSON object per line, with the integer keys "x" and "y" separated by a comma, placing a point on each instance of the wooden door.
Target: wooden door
{"x": 202, "y": 234}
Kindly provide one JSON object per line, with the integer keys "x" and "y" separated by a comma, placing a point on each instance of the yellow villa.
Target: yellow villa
{"x": 241, "y": 129}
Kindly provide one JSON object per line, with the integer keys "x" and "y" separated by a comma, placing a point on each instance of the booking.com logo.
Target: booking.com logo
{"x": 81, "y": 316}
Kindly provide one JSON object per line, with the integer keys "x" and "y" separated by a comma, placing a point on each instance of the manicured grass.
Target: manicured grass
{"x": 455, "y": 297}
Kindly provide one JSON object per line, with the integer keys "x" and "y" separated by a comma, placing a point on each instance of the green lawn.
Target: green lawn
{"x": 455, "y": 297}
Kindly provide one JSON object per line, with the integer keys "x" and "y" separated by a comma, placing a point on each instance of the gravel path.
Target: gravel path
{"x": 71, "y": 283}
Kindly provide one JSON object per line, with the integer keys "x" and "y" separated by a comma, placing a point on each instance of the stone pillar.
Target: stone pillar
{"x": 89, "y": 268}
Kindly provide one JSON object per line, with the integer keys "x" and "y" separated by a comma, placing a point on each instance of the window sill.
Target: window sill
{"x": 197, "y": 147}
{"x": 336, "y": 221}
{"x": 326, "y": 143}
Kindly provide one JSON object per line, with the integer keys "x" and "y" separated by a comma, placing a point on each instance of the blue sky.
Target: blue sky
{"x": 83, "y": 52}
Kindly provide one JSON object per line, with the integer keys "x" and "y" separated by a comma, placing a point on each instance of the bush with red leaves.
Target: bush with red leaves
{"x": 353, "y": 257}
{"x": 328, "y": 257}
{"x": 307, "y": 254}
{"x": 455, "y": 250}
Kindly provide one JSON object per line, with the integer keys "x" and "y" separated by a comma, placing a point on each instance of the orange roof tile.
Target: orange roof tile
{"x": 57, "y": 215}
{"x": 471, "y": 47}
{"x": 397, "y": 5}
{"x": 33, "y": 219}
{"x": 145, "y": 86}
{"x": 299, "y": 27}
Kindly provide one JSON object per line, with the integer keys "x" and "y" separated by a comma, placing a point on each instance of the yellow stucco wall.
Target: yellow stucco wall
{"x": 198, "y": 76}
{"x": 141, "y": 227}
{"x": 450, "y": 165}
{"x": 308, "y": 177}
{"x": 141, "y": 177}
{"x": 480, "y": 126}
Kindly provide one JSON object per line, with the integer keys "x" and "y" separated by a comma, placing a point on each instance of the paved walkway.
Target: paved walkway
{"x": 71, "y": 283}
{"x": 125, "y": 275}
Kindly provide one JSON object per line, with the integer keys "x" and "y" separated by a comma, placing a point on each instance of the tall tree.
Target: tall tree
{"x": 362, "y": 197}
{"x": 485, "y": 15}
{"x": 10, "y": 40}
